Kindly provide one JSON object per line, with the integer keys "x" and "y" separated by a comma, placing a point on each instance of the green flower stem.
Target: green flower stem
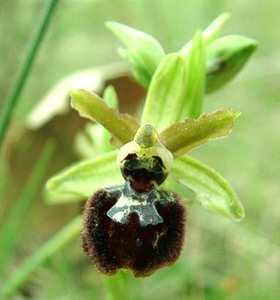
{"x": 60, "y": 239}
{"x": 26, "y": 66}
{"x": 117, "y": 286}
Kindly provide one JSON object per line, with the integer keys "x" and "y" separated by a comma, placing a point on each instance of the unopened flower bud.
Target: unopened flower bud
{"x": 225, "y": 58}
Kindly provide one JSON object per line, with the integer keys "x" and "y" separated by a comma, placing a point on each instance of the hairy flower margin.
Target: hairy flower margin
{"x": 176, "y": 84}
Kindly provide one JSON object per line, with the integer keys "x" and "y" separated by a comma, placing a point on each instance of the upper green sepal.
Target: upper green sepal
{"x": 142, "y": 51}
{"x": 122, "y": 126}
{"x": 215, "y": 28}
{"x": 166, "y": 93}
{"x": 209, "y": 34}
{"x": 192, "y": 103}
{"x": 225, "y": 58}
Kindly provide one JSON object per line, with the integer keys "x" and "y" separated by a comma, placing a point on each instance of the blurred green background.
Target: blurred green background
{"x": 221, "y": 260}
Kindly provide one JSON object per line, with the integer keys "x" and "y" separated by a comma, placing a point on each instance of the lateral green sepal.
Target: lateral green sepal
{"x": 81, "y": 180}
{"x": 210, "y": 188}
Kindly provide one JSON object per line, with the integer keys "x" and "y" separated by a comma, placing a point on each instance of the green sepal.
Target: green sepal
{"x": 122, "y": 126}
{"x": 195, "y": 83}
{"x": 182, "y": 137}
{"x": 81, "y": 180}
{"x": 225, "y": 58}
{"x": 143, "y": 51}
{"x": 211, "y": 33}
{"x": 141, "y": 74}
{"x": 210, "y": 188}
{"x": 215, "y": 28}
{"x": 166, "y": 93}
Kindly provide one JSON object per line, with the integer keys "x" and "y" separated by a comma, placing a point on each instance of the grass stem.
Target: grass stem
{"x": 26, "y": 66}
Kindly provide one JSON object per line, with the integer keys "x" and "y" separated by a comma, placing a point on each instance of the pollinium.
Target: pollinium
{"x": 137, "y": 225}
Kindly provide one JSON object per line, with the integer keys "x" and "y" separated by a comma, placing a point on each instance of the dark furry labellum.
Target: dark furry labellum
{"x": 128, "y": 244}
{"x": 137, "y": 225}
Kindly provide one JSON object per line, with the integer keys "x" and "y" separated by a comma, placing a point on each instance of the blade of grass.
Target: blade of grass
{"x": 8, "y": 232}
{"x": 59, "y": 240}
{"x": 26, "y": 66}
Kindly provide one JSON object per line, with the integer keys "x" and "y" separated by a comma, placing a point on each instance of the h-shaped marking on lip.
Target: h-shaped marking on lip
{"x": 141, "y": 204}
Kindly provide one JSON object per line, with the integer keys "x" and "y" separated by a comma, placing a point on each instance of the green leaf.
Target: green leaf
{"x": 182, "y": 137}
{"x": 83, "y": 179}
{"x": 122, "y": 126}
{"x": 211, "y": 189}
{"x": 165, "y": 93}
{"x": 225, "y": 58}
{"x": 211, "y": 33}
{"x": 194, "y": 87}
{"x": 143, "y": 51}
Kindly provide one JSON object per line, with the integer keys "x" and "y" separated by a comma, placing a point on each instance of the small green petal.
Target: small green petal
{"x": 182, "y": 137}
{"x": 211, "y": 189}
{"x": 122, "y": 126}
{"x": 95, "y": 139}
{"x": 88, "y": 142}
{"x": 166, "y": 93}
{"x": 83, "y": 179}
{"x": 143, "y": 51}
{"x": 111, "y": 97}
{"x": 225, "y": 58}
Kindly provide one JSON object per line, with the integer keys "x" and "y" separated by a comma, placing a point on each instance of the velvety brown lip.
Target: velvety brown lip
{"x": 113, "y": 245}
